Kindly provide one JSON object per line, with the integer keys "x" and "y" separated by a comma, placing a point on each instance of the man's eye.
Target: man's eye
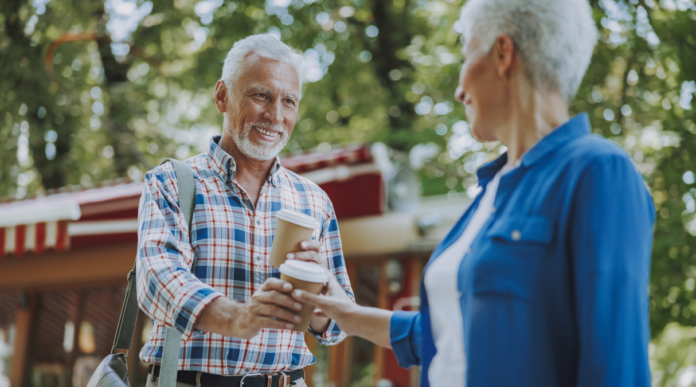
{"x": 290, "y": 101}
{"x": 262, "y": 95}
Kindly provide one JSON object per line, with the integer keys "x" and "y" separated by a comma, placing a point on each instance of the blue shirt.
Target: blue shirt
{"x": 554, "y": 290}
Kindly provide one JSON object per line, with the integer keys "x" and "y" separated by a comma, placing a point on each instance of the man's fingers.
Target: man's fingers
{"x": 277, "y": 284}
{"x": 267, "y": 322}
{"x": 307, "y": 256}
{"x": 319, "y": 313}
{"x": 277, "y": 298}
{"x": 310, "y": 245}
{"x": 280, "y": 313}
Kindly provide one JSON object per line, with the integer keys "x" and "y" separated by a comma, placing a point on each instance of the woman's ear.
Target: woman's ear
{"x": 504, "y": 52}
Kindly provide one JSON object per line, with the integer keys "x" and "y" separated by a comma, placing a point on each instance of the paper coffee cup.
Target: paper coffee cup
{"x": 291, "y": 229}
{"x": 305, "y": 276}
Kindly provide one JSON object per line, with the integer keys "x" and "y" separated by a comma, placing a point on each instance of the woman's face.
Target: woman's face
{"x": 482, "y": 91}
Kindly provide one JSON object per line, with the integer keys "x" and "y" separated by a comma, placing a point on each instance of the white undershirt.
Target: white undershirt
{"x": 448, "y": 367}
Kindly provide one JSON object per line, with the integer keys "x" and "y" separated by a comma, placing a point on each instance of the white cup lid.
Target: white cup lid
{"x": 304, "y": 271}
{"x": 298, "y": 218}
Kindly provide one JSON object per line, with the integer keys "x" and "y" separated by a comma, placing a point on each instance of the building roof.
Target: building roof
{"x": 77, "y": 216}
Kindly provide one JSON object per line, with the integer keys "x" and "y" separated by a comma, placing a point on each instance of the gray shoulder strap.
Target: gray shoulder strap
{"x": 129, "y": 311}
{"x": 172, "y": 338}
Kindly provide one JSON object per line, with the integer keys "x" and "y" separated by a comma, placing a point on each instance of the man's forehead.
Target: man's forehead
{"x": 271, "y": 74}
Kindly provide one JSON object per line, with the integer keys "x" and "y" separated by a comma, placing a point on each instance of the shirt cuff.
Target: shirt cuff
{"x": 333, "y": 335}
{"x": 190, "y": 306}
{"x": 404, "y": 335}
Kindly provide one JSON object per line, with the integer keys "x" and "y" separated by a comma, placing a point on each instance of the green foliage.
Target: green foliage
{"x": 673, "y": 357}
{"x": 391, "y": 69}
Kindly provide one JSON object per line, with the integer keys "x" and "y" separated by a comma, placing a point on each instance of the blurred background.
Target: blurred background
{"x": 95, "y": 93}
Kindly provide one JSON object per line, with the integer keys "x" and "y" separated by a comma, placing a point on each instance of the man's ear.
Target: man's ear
{"x": 504, "y": 52}
{"x": 221, "y": 96}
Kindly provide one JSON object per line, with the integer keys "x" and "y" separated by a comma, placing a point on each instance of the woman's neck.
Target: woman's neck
{"x": 533, "y": 115}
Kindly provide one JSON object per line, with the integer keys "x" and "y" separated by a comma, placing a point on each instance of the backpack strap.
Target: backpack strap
{"x": 129, "y": 311}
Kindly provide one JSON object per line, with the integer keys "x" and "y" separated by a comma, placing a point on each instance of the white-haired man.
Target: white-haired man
{"x": 233, "y": 311}
{"x": 543, "y": 281}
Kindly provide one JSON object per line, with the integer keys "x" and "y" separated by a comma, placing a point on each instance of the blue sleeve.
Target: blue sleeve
{"x": 405, "y": 337}
{"x": 610, "y": 235}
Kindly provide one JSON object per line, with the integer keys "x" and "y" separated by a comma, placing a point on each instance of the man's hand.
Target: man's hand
{"x": 310, "y": 253}
{"x": 269, "y": 307}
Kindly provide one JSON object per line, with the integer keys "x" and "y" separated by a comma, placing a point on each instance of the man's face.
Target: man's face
{"x": 261, "y": 107}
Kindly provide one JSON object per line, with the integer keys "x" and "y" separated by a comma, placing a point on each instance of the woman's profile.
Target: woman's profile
{"x": 543, "y": 281}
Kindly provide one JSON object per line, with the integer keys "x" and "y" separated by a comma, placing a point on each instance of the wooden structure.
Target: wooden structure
{"x": 64, "y": 259}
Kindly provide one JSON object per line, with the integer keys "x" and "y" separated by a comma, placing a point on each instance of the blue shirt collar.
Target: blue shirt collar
{"x": 576, "y": 127}
{"x": 225, "y": 166}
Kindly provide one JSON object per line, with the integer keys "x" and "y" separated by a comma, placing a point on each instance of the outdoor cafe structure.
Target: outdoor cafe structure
{"x": 64, "y": 259}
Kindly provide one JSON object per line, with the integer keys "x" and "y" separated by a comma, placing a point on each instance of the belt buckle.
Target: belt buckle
{"x": 241, "y": 382}
{"x": 269, "y": 377}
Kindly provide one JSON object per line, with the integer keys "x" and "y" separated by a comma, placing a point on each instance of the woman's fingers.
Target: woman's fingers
{"x": 308, "y": 298}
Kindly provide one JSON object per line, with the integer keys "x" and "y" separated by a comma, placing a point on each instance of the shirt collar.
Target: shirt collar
{"x": 577, "y": 126}
{"x": 225, "y": 166}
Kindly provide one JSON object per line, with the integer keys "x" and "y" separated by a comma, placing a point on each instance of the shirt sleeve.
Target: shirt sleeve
{"x": 332, "y": 252}
{"x": 405, "y": 337}
{"x": 167, "y": 290}
{"x": 610, "y": 234}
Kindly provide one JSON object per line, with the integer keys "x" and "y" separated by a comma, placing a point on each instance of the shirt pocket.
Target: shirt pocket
{"x": 512, "y": 258}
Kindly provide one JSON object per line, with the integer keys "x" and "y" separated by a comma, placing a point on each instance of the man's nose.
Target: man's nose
{"x": 274, "y": 112}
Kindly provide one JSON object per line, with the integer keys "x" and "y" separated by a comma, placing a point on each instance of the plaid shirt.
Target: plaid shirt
{"x": 232, "y": 240}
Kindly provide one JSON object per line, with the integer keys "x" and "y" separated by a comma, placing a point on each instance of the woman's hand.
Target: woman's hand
{"x": 310, "y": 253}
{"x": 332, "y": 302}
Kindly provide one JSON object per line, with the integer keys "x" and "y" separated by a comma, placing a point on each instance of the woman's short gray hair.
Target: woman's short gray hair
{"x": 264, "y": 45}
{"x": 555, "y": 38}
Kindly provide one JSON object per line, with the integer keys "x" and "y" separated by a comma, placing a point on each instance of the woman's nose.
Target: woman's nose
{"x": 459, "y": 94}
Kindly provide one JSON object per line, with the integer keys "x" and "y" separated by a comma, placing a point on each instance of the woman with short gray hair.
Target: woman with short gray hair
{"x": 544, "y": 279}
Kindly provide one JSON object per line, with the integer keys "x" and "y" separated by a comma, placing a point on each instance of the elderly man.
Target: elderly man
{"x": 543, "y": 281}
{"x": 233, "y": 311}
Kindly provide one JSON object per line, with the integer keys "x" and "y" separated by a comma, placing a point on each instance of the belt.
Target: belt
{"x": 210, "y": 380}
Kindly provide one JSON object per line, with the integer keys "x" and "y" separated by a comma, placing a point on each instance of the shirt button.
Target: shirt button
{"x": 516, "y": 235}
{"x": 492, "y": 210}
{"x": 468, "y": 251}
{"x": 258, "y": 221}
{"x": 258, "y": 258}
{"x": 247, "y": 370}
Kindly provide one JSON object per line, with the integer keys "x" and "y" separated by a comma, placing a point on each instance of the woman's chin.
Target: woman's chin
{"x": 481, "y": 134}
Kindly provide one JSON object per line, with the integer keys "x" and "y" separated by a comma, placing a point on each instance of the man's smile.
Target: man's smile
{"x": 266, "y": 132}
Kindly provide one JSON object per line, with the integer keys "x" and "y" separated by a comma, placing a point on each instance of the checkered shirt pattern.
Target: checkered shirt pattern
{"x": 232, "y": 240}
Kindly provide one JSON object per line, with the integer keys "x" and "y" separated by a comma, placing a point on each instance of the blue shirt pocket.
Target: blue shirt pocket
{"x": 510, "y": 259}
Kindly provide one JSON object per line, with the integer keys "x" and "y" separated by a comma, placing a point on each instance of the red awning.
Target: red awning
{"x": 108, "y": 214}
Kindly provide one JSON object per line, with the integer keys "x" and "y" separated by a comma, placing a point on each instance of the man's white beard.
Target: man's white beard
{"x": 240, "y": 135}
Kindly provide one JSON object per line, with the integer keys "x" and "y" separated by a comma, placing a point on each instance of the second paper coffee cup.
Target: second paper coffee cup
{"x": 305, "y": 276}
{"x": 291, "y": 229}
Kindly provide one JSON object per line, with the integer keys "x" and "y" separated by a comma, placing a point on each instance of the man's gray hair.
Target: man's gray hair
{"x": 555, "y": 38}
{"x": 264, "y": 45}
